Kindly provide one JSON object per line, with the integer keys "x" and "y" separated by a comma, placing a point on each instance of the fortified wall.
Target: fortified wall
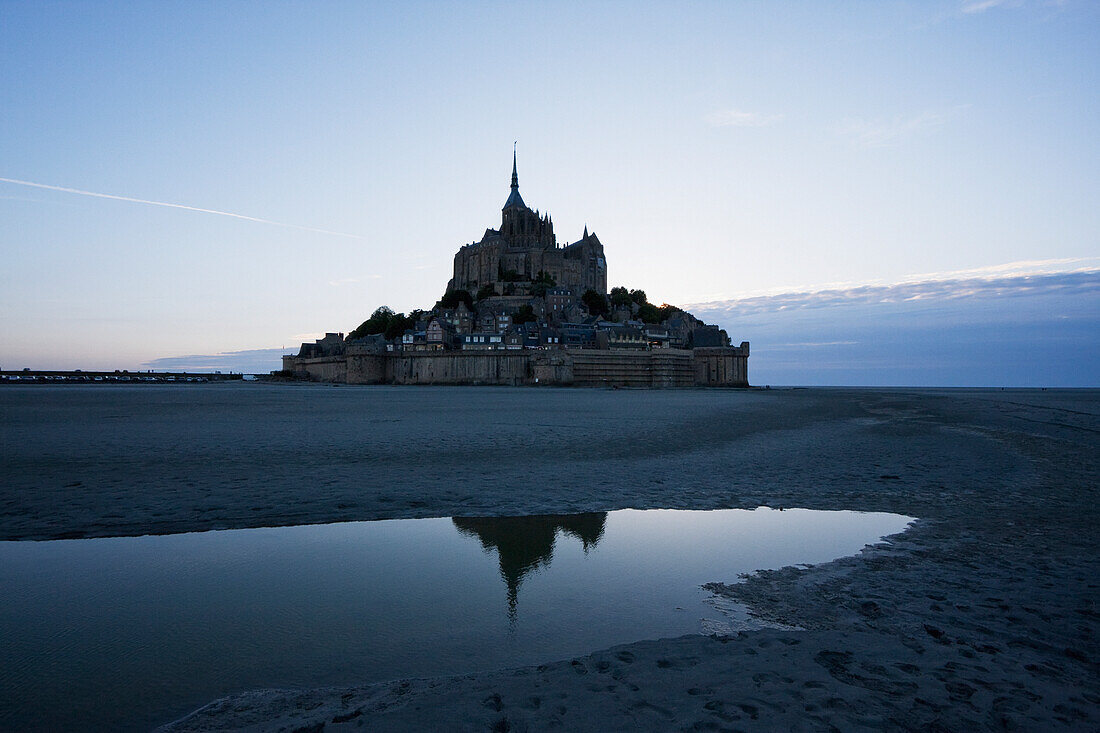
{"x": 703, "y": 367}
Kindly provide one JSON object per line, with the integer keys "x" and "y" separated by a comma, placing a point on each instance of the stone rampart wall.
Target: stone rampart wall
{"x": 722, "y": 367}
{"x": 461, "y": 367}
{"x": 713, "y": 367}
{"x": 368, "y": 368}
{"x": 664, "y": 368}
{"x": 321, "y": 369}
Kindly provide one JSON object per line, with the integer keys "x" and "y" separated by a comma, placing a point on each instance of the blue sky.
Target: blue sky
{"x": 724, "y": 152}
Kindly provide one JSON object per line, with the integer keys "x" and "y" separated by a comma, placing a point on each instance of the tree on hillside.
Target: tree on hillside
{"x": 595, "y": 303}
{"x": 486, "y": 291}
{"x": 638, "y": 296}
{"x": 378, "y": 322}
{"x": 401, "y": 323}
{"x": 542, "y": 283}
{"x": 525, "y": 314}
{"x": 384, "y": 321}
{"x": 620, "y": 296}
{"x": 452, "y": 298}
{"x": 666, "y": 311}
{"x": 648, "y": 313}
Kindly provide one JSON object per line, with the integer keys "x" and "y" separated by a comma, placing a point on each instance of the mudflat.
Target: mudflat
{"x": 983, "y": 615}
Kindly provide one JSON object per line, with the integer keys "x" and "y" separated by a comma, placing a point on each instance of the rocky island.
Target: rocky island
{"x": 521, "y": 309}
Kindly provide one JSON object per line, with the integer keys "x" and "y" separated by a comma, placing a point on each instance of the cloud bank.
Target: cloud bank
{"x": 1031, "y": 330}
{"x": 929, "y": 291}
{"x": 251, "y": 361}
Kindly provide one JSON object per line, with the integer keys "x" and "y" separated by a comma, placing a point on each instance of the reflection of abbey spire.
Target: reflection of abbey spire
{"x": 526, "y": 543}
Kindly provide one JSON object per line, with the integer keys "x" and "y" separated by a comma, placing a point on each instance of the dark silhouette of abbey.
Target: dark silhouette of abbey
{"x": 525, "y": 544}
{"x": 524, "y": 247}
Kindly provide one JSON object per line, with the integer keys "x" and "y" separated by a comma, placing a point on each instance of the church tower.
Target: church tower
{"x": 520, "y": 226}
{"x": 512, "y": 258}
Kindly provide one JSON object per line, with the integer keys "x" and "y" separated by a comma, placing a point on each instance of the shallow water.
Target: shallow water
{"x": 127, "y": 633}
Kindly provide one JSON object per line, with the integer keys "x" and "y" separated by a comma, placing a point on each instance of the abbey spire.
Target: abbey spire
{"x": 514, "y": 199}
{"x": 524, "y": 252}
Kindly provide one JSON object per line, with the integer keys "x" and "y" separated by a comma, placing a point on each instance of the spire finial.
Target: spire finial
{"x": 515, "y": 176}
{"x": 585, "y": 231}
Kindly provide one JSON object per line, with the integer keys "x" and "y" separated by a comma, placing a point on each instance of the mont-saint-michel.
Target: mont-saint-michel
{"x": 523, "y": 309}
{"x": 206, "y": 525}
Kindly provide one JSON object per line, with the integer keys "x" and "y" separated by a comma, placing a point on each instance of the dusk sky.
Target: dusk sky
{"x": 871, "y": 193}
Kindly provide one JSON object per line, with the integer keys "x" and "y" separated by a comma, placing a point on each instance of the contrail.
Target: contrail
{"x": 177, "y": 206}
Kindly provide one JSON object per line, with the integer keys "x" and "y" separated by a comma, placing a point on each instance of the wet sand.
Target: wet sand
{"x": 984, "y": 615}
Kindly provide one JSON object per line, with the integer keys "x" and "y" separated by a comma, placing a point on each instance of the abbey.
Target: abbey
{"x": 519, "y": 309}
{"x": 523, "y": 249}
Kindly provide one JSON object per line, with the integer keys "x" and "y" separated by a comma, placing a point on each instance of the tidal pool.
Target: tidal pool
{"x": 131, "y": 632}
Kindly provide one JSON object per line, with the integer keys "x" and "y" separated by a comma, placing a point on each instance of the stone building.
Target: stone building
{"x": 331, "y": 345}
{"x": 524, "y": 247}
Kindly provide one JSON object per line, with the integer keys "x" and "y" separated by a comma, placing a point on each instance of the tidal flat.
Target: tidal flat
{"x": 984, "y": 614}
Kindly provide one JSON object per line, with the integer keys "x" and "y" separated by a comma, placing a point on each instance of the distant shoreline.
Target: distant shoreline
{"x": 79, "y": 376}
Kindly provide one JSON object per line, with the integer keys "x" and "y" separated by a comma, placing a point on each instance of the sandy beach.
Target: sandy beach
{"x": 984, "y": 615}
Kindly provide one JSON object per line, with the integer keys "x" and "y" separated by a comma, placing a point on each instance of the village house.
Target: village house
{"x": 481, "y": 341}
{"x": 557, "y": 298}
{"x": 621, "y": 337}
{"x": 414, "y": 339}
{"x": 439, "y": 335}
{"x": 656, "y": 335}
{"x": 460, "y": 318}
{"x": 578, "y": 335}
{"x": 513, "y": 338}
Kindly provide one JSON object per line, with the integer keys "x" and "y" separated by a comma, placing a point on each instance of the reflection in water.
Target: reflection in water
{"x": 525, "y": 544}
{"x": 182, "y": 619}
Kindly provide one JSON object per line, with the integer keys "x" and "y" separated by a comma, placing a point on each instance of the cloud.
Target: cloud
{"x": 911, "y": 292}
{"x": 880, "y": 132}
{"x": 129, "y": 199}
{"x": 352, "y": 280}
{"x": 251, "y": 361}
{"x": 811, "y": 344}
{"x": 990, "y": 272}
{"x": 983, "y": 5}
{"x": 738, "y": 118}
{"x": 1019, "y": 267}
{"x": 972, "y": 7}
